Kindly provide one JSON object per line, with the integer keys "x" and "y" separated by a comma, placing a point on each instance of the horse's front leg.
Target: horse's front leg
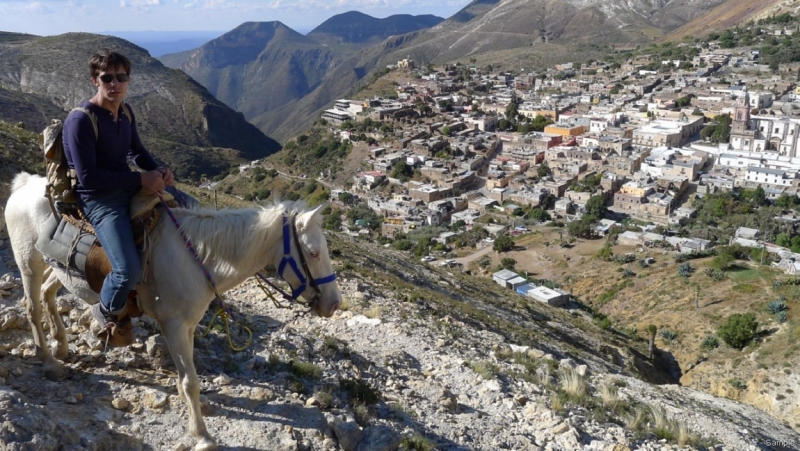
{"x": 49, "y": 290}
{"x": 181, "y": 348}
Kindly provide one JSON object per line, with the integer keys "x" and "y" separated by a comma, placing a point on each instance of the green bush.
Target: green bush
{"x": 360, "y": 391}
{"x": 739, "y": 330}
{"x": 503, "y": 243}
{"x": 738, "y": 384}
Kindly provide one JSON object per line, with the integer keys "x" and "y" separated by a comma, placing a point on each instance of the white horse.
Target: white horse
{"x": 233, "y": 245}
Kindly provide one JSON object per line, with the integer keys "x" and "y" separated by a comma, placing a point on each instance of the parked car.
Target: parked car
{"x": 428, "y": 258}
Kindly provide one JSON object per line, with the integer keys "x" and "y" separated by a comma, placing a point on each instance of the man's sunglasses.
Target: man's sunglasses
{"x": 107, "y": 78}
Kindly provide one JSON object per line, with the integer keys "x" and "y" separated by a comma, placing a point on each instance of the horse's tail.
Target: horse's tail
{"x": 20, "y": 180}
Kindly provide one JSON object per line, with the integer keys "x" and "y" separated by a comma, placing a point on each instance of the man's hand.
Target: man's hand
{"x": 154, "y": 181}
{"x": 167, "y": 175}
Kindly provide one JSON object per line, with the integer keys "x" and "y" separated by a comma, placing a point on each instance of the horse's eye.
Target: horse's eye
{"x": 312, "y": 254}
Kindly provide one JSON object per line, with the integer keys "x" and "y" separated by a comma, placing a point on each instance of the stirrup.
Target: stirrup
{"x": 116, "y": 334}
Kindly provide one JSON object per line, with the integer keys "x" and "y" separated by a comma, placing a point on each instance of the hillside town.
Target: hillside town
{"x": 458, "y": 141}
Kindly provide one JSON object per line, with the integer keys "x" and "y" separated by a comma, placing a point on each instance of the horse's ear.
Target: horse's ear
{"x": 314, "y": 215}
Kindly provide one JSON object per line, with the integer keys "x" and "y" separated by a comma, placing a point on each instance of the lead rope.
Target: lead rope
{"x": 262, "y": 279}
{"x": 223, "y": 311}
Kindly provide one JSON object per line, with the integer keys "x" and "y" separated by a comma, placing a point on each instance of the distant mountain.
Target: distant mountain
{"x": 264, "y": 69}
{"x": 181, "y": 122}
{"x": 258, "y": 67}
{"x": 485, "y": 27}
{"x": 160, "y": 43}
{"x": 356, "y": 27}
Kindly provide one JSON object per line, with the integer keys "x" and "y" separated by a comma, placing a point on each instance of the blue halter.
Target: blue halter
{"x": 300, "y": 274}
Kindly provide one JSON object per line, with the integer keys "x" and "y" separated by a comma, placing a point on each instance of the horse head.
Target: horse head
{"x": 307, "y": 268}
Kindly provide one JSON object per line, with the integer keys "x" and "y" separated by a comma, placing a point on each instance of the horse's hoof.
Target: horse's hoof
{"x": 60, "y": 353}
{"x": 205, "y": 445}
{"x": 55, "y": 373}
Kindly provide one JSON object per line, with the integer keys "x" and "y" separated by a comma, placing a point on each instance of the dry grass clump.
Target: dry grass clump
{"x": 556, "y": 403}
{"x": 373, "y": 312}
{"x": 574, "y": 385}
{"x": 486, "y": 370}
{"x": 636, "y": 419}
{"x": 609, "y": 393}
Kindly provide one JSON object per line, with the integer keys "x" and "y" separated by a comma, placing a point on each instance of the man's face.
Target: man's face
{"x": 109, "y": 86}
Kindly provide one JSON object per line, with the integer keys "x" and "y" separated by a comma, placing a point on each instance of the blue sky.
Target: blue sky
{"x": 50, "y": 17}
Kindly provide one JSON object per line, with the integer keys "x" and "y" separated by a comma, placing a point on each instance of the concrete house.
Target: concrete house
{"x": 549, "y": 296}
{"x": 508, "y": 279}
{"x": 747, "y": 233}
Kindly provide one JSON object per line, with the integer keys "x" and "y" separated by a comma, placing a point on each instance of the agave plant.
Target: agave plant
{"x": 668, "y": 336}
{"x": 778, "y": 305}
{"x": 685, "y": 270}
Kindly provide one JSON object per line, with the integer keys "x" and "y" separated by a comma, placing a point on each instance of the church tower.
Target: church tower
{"x": 741, "y": 115}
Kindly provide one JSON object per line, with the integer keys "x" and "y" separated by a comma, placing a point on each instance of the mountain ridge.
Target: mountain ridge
{"x": 357, "y": 27}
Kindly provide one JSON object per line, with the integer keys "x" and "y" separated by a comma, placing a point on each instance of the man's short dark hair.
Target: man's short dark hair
{"x": 105, "y": 59}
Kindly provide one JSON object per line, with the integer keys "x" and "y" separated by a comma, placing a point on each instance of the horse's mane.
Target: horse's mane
{"x": 225, "y": 239}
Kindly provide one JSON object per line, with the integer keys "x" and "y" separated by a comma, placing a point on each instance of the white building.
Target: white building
{"x": 666, "y": 133}
{"x": 549, "y": 296}
{"x": 775, "y": 177}
{"x": 336, "y": 116}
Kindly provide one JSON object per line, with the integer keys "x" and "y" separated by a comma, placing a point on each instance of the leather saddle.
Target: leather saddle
{"x": 144, "y": 217}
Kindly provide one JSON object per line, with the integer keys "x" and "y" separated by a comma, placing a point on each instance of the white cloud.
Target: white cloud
{"x": 138, "y": 3}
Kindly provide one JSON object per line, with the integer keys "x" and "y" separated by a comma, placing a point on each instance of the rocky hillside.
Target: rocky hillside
{"x": 730, "y": 14}
{"x": 361, "y": 28}
{"x": 181, "y": 122}
{"x": 419, "y": 357}
{"x": 19, "y": 151}
{"x": 519, "y": 26}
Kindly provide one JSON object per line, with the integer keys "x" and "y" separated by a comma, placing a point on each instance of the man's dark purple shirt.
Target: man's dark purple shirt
{"x": 101, "y": 163}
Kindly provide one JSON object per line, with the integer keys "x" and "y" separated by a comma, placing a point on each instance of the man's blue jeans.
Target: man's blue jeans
{"x": 110, "y": 216}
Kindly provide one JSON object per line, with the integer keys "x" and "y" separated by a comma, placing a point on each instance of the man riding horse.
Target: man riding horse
{"x": 105, "y": 182}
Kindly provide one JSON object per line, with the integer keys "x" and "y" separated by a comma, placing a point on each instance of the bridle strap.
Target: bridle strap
{"x": 288, "y": 259}
{"x": 289, "y": 231}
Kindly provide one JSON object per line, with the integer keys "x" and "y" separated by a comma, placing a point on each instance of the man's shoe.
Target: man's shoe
{"x": 101, "y": 315}
{"x": 113, "y": 331}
